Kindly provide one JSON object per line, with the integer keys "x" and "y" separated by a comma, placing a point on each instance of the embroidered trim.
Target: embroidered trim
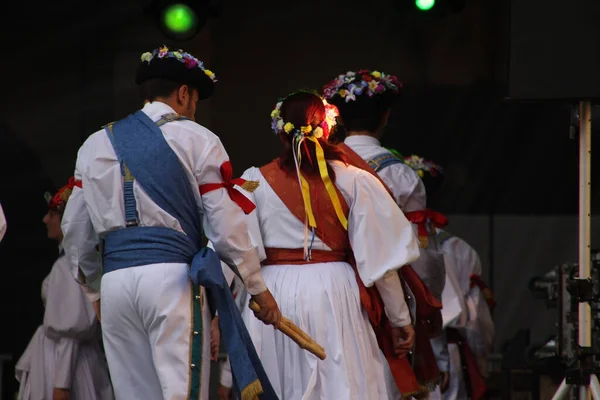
{"x": 381, "y": 161}
{"x": 252, "y": 391}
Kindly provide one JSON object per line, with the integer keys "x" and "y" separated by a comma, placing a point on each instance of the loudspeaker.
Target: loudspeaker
{"x": 554, "y": 50}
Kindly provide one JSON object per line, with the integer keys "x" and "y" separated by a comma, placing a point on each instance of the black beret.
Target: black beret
{"x": 178, "y": 66}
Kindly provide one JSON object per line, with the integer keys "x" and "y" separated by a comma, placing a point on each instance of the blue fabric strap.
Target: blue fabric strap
{"x": 442, "y": 236}
{"x": 131, "y": 213}
{"x": 383, "y": 160}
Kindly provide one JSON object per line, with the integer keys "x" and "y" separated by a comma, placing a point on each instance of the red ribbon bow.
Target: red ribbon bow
{"x": 60, "y": 198}
{"x": 421, "y": 217}
{"x": 228, "y": 183}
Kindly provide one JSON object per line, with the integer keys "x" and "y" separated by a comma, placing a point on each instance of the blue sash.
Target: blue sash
{"x": 144, "y": 153}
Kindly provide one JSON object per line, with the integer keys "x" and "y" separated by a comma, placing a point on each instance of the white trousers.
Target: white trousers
{"x": 148, "y": 329}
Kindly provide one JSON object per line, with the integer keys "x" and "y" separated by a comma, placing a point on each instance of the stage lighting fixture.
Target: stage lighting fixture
{"x": 182, "y": 19}
{"x": 433, "y": 7}
{"x": 424, "y": 5}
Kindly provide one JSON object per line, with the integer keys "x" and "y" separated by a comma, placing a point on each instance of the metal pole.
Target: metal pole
{"x": 585, "y": 182}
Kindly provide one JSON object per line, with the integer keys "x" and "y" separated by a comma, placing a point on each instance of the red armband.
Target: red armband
{"x": 228, "y": 184}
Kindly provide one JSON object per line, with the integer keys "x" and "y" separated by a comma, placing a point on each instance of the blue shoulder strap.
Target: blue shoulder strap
{"x": 442, "y": 236}
{"x": 145, "y": 156}
{"x": 384, "y": 160}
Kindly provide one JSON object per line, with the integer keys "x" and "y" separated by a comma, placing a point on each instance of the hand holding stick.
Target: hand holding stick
{"x": 290, "y": 329}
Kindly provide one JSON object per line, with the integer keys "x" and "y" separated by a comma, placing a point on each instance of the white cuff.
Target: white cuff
{"x": 390, "y": 289}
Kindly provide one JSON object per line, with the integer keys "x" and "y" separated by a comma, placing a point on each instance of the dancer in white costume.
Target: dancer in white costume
{"x": 364, "y": 99}
{"x": 64, "y": 358}
{"x": 309, "y": 267}
{"x": 150, "y": 181}
{"x": 468, "y": 319}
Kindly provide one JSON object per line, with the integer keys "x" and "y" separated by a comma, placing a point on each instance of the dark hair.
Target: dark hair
{"x": 302, "y": 109}
{"x": 153, "y": 88}
{"x": 365, "y": 113}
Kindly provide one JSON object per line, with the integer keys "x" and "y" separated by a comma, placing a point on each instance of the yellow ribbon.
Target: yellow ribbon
{"x": 307, "y": 205}
{"x": 322, "y": 163}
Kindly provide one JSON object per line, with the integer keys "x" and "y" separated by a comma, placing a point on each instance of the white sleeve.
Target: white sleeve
{"x": 2, "y": 223}
{"x": 407, "y": 187}
{"x": 80, "y": 240}
{"x": 390, "y": 289}
{"x": 226, "y": 225}
{"x": 383, "y": 241}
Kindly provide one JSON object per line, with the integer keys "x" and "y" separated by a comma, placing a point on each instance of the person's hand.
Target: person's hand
{"x": 97, "y": 309}
{"x": 269, "y": 310}
{"x": 403, "y": 339}
{"x": 61, "y": 394}
{"x": 223, "y": 392}
{"x": 444, "y": 381}
{"x": 215, "y": 339}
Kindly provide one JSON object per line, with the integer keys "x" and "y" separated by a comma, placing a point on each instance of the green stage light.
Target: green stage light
{"x": 180, "y": 19}
{"x": 424, "y": 5}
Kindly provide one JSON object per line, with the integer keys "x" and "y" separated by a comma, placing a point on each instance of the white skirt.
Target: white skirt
{"x": 36, "y": 368}
{"x": 323, "y": 300}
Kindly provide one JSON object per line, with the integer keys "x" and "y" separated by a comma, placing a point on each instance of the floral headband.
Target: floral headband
{"x": 353, "y": 84}
{"x": 189, "y": 60}
{"x": 321, "y": 131}
{"x": 421, "y": 166}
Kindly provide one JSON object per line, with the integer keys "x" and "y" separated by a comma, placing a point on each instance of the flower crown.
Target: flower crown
{"x": 321, "y": 131}
{"x": 421, "y": 166}
{"x": 189, "y": 60}
{"x": 353, "y": 84}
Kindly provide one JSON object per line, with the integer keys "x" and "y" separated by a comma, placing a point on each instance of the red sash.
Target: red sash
{"x": 333, "y": 234}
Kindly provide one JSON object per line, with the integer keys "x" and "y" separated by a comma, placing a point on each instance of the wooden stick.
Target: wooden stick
{"x": 291, "y": 330}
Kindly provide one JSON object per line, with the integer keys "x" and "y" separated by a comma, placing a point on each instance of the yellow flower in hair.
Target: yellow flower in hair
{"x": 376, "y": 74}
{"x": 209, "y": 73}
{"x": 343, "y": 93}
{"x": 288, "y": 127}
{"x": 306, "y": 129}
{"x": 420, "y": 173}
{"x": 275, "y": 113}
{"x": 146, "y": 57}
{"x": 318, "y": 132}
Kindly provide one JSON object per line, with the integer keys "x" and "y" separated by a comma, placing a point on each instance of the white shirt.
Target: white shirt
{"x": 97, "y": 207}
{"x": 403, "y": 181}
